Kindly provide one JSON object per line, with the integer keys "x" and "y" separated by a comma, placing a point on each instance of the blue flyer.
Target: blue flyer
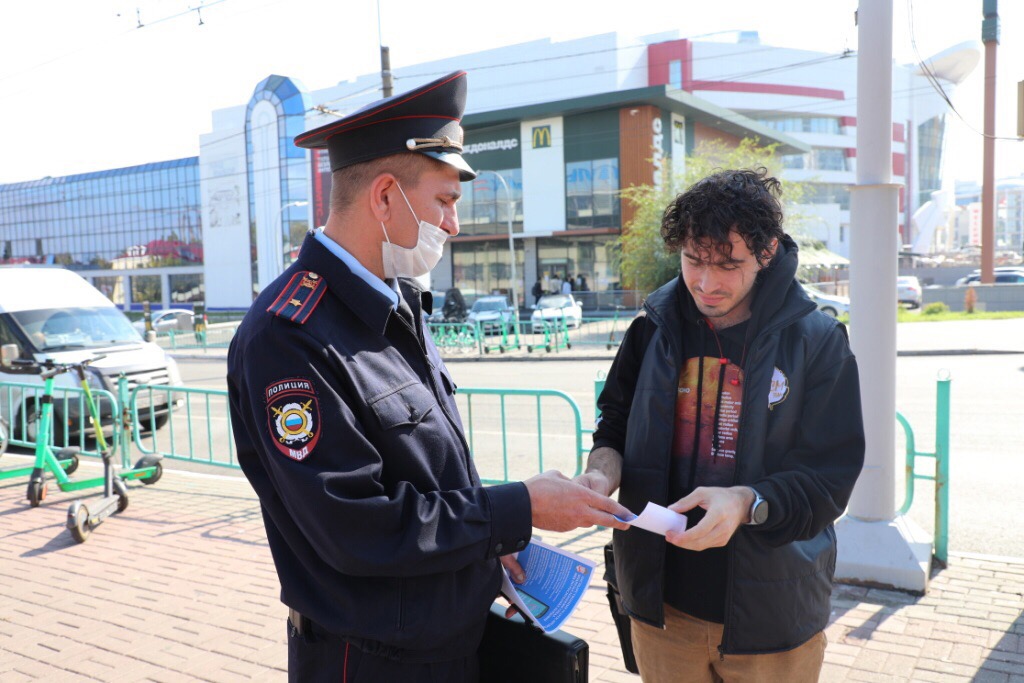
{"x": 555, "y": 583}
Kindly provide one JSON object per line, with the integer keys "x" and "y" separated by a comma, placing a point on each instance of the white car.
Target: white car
{"x": 493, "y": 313}
{"x": 175, "y": 319}
{"x": 908, "y": 290}
{"x": 829, "y": 304}
{"x": 552, "y": 308}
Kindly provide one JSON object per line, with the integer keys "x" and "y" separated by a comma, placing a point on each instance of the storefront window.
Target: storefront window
{"x": 112, "y": 288}
{"x": 484, "y": 207}
{"x": 146, "y": 288}
{"x": 587, "y": 261}
{"x": 483, "y": 268}
{"x": 592, "y": 194}
{"x": 186, "y": 288}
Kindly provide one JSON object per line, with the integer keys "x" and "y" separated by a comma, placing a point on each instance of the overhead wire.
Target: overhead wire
{"x": 936, "y": 85}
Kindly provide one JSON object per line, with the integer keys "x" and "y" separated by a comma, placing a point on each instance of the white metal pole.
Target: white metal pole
{"x": 875, "y": 545}
{"x": 874, "y": 207}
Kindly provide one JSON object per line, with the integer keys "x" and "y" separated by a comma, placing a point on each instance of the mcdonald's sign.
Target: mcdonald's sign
{"x": 541, "y": 136}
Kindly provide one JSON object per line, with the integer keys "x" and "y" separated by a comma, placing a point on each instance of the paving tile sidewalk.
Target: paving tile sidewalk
{"x": 181, "y": 587}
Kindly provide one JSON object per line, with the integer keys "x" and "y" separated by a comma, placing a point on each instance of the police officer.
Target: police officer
{"x": 385, "y": 542}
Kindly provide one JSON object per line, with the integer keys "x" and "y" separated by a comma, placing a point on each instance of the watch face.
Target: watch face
{"x": 759, "y": 515}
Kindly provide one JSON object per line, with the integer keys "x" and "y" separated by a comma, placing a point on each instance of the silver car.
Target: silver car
{"x": 829, "y": 304}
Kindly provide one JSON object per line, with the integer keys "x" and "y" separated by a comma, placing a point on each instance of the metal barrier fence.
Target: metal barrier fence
{"x": 213, "y": 337}
{"x": 941, "y": 476}
{"x": 519, "y": 427}
{"x": 198, "y": 431}
{"x": 20, "y": 407}
{"x": 550, "y": 336}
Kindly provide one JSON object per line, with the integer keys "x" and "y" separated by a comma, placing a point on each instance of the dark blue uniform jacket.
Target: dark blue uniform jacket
{"x": 347, "y": 428}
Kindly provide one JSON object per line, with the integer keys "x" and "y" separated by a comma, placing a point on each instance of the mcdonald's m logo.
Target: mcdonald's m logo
{"x": 541, "y": 136}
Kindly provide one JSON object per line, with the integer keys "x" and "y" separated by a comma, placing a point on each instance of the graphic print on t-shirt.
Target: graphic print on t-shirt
{"x": 713, "y": 466}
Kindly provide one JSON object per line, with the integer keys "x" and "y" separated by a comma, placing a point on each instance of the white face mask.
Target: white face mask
{"x": 418, "y": 260}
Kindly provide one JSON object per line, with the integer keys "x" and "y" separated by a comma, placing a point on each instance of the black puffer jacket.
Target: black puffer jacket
{"x": 801, "y": 445}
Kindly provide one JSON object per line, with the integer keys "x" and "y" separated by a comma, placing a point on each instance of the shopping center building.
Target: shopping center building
{"x": 557, "y": 129}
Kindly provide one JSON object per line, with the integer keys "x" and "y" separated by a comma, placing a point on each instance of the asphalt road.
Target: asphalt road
{"x": 987, "y": 464}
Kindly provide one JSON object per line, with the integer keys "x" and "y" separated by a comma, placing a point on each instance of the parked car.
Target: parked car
{"x": 554, "y": 307}
{"x": 493, "y": 313}
{"x": 829, "y": 304}
{"x": 176, "y": 319}
{"x": 1004, "y": 278}
{"x": 908, "y": 291}
{"x": 1007, "y": 273}
{"x": 54, "y": 314}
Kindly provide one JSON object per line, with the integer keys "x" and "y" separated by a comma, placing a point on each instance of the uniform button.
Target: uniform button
{"x": 498, "y": 548}
{"x": 520, "y": 544}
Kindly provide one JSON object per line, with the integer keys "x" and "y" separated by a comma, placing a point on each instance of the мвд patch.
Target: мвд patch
{"x": 293, "y": 417}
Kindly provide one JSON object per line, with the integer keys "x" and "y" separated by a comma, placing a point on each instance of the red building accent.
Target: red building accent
{"x": 661, "y": 55}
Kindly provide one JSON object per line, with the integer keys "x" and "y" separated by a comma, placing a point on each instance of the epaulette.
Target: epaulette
{"x": 299, "y": 297}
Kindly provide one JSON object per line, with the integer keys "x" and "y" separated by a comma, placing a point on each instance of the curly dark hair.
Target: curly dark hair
{"x": 743, "y": 200}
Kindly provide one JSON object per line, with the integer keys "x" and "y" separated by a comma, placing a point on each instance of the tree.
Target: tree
{"x": 644, "y": 263}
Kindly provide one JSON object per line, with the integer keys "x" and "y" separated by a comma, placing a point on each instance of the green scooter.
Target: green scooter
{"x": 81, "y": 518}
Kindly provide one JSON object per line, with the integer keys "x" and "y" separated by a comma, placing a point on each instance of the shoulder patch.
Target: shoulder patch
{"x": 299, "y": 297}
{"x": 293, "y": 417}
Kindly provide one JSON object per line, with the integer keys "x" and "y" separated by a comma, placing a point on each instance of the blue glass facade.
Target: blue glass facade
{"x": 291, "y": 216}
{"x": 127, "y": 218}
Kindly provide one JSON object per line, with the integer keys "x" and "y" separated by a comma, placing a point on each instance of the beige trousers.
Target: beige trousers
{"x": 686, "y": 650}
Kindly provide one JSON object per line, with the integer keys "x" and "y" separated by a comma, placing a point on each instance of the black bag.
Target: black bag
{"x": 513, "y": 651}
{"x": 619, "y": 616}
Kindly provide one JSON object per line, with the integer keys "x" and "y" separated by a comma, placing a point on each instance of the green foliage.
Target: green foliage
{"x": 935, "y": 308}
{"x": 644, "y": 263}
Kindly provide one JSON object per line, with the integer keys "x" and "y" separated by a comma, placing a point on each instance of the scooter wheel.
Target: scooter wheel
{"x": 80, "y": 528}
{"x": 69, "y": 454}
{"x": 155, "y": 477}
{"x": 122, "y": 502}
{"x": 36, "y": 492}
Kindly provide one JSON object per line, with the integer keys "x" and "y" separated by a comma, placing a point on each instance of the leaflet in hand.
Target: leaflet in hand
{"x": 658, "y": 519}
{"x": 555, "y": 583}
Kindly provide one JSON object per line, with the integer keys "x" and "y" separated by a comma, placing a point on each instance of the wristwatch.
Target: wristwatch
{"x": 758, "y": 509}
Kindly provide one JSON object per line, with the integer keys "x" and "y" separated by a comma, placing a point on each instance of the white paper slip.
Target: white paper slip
{"x": 658, "y": 519}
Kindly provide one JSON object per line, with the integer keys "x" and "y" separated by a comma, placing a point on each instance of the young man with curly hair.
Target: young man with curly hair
{"x": 734, "y": 401}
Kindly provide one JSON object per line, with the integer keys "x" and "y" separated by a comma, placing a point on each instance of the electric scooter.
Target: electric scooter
{"x": 81, "y": 519}
{"x": 65, "y": 460}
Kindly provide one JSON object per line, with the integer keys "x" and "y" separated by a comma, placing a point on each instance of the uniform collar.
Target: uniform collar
{"x": 370, "y": 305}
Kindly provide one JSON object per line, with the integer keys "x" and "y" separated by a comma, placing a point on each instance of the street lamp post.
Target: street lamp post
{"x": 511, "y": 247}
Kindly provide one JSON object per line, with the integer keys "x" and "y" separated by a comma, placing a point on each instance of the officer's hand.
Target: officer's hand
{"x": 512, "y": 566}
{"x": 727, "y": 508}
{"x": 560, "y": 504}
{"x": 518, "y": 575}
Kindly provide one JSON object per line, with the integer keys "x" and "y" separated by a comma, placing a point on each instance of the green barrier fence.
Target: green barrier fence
{"x": 207, "y": 338}
{"x": 546, "y": 429}
{"x": 198, "y": 431}
{"x": 941, "y": 475}
{"x": 20, "y": 407}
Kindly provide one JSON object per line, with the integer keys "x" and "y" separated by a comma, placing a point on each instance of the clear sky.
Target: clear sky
{"x": 83, "y": 89}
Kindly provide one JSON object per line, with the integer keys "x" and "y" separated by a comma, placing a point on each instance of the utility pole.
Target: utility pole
{"x": 385, "y": 69}
{"x": 989, "y": 36}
